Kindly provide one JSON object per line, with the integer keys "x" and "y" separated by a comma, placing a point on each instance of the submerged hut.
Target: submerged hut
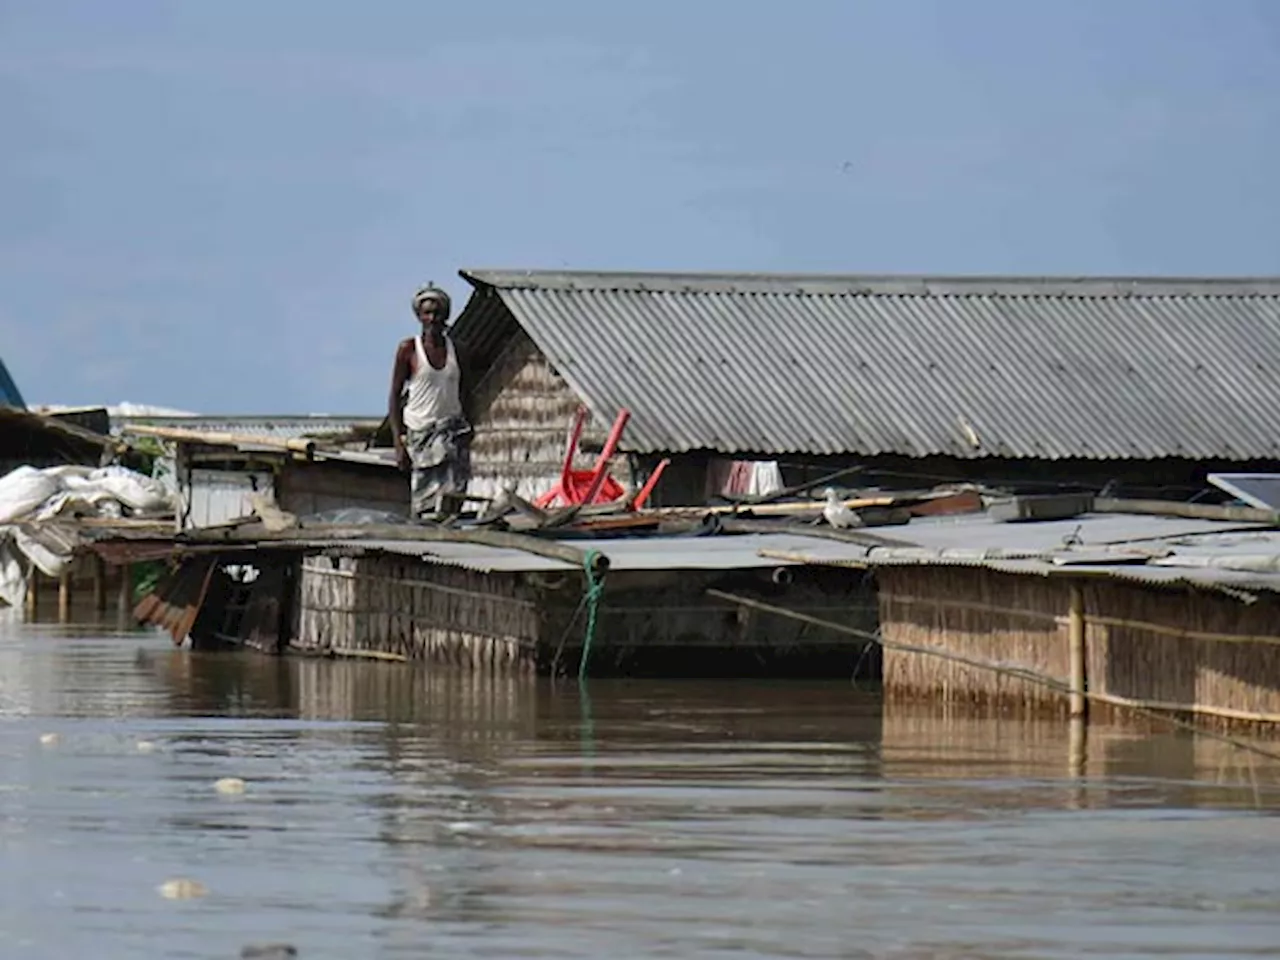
{"x": 1030, "y": 383}
{"x": 495, "y": 602}
{"x": 219, "y": 476}
{"x": 1202, "y": 646}
{"x": 1173, "y": 613}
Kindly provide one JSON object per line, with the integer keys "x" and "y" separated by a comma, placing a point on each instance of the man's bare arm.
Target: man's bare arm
{"x": 395, "y": 400}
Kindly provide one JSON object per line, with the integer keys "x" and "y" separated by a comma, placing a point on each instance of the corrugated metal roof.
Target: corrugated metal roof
{"x": 736, "y": 552}
{"x": 1108, "y": 368}
{"x": 286, "y": 426}
{"x": 1160, "y": 551}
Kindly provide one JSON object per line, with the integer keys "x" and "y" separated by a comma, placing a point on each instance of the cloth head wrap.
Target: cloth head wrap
{"x": 432, "y": 292}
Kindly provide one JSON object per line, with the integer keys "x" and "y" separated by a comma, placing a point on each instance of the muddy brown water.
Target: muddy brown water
{"x": 396, "y": 812}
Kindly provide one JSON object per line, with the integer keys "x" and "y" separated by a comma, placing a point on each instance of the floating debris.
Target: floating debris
{"x": 229, "y": 785}
{"x": 146, "y": 746}
{"x": 182, "y": 889}
{"x": 49, "y": 739}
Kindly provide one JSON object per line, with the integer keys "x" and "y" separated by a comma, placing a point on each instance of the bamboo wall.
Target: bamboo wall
{"x": 400, "y": 608}
{"x": 665, "y": 620}
{"x": 523, "y": 413}
{"x": 1197, "y": 652}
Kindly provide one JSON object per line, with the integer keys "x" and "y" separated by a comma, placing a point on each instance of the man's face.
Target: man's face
{"x": 429, "y": 312}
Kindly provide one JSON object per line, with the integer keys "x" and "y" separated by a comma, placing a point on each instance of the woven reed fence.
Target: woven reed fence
{"x": 1185, "y": 651}
{"x": 386, "y": 607}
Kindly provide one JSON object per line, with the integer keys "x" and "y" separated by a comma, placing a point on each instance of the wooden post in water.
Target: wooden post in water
{"x": 33, "y": 595}
{"x": 99, "y": 584}
{"x": 64, "y": 594}
{"x": 1075, "y": 641}
{"x": 124, "y": 594}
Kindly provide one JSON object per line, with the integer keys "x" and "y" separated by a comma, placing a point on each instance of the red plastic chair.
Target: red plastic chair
{"x": 577, "y": 487}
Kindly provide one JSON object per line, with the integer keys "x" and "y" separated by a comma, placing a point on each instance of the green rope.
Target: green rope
{"x": 595, "y": 587}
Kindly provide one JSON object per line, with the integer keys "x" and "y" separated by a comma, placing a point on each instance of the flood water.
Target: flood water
{"x": 394, "y": 812}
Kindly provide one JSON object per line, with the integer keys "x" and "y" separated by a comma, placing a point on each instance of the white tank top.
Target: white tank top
{"x": 432, "y": 394}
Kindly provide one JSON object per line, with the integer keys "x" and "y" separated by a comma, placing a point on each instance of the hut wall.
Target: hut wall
{"x": 1168, "y": 648}
{"x": 402, "y": 608}
{"x": 974, "y": 613}
{"x": 523, "y": 412}
{"x": 208, "y": 496}
{"x": 663, "y": 622}
{"x": 312, "y": 487}
{"x": 1184, "y": 647}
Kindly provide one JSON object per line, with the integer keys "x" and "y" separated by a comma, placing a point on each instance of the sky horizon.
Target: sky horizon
{"x": 226, "y": 208}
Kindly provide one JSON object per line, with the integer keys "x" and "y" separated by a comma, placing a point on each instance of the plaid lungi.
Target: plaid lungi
{"x": 440, "y": 455}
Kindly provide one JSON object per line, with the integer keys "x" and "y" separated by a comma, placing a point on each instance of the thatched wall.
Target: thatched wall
{"x": 388, "y": 607}
{"x": 523, "y": 413}
{"x": 403, "y": 608}
{"x": 663, "y": 622}
{"x": 1193, "y": 651}
{"x": 977, "y": 614}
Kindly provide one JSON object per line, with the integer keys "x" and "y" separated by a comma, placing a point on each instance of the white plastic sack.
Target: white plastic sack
{"x": 13, "y": 578}
{"x": 22, "y": 491}
{"x": 136, "y": 491}
{"x": 49, "y": 552}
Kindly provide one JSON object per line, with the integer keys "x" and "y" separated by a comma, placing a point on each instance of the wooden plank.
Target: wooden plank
{"x": 220, "y": 439}
{"x": 1192, "y": 511}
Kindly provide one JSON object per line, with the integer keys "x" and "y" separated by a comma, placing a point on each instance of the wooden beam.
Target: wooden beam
{"x": 250, "y": 535}
{"x": 64, "y": 595}
{"x": 99, "y": 583}
{"x": 220, "y": 439}
{"x": 1192, "y": 511}
{"x": 32, "y": 609}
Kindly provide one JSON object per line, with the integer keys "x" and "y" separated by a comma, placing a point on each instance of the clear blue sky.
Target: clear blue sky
{"x": 225, "y": 206}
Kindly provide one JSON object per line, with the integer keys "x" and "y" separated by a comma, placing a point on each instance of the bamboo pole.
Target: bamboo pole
{"x": 358, "y": 653}
{"x": 64, "y": 595}
{"x": 1077, "y": 747}
{"x": 124, "y": 591}
{"x": 1153, "y": 709}
{"x": 862, "y": 537}
{"x": 220, "y": 439}
{"x": 1205, "y": 710}
{"x": 1197, "y": 511}
{"x": 351, "y": 536}
{"x": 1076, "y": 651}
{"x": 33, "y": 595}
{"x": 99, "y": 584}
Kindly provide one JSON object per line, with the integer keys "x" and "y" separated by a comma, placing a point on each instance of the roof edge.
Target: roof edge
{"x": 872, "y": 284}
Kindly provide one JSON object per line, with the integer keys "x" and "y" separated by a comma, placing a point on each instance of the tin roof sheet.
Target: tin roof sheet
{"x": 1106, "y": 368}
{"x": 726, "y": 552}
{"x": 1160, "y": 551}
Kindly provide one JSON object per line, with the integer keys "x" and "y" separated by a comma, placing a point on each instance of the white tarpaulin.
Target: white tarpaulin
{"x": 31, "y": 496}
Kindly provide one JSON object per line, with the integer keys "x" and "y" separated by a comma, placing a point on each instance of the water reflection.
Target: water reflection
{"x": 393, "y": 811}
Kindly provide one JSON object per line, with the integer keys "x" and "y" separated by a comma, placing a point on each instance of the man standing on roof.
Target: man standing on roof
{"x": 431, "y": 432}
